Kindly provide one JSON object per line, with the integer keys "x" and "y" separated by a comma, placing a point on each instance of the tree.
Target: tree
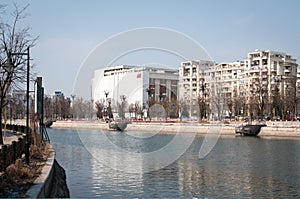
{"x": 48, "y": 107}
{"x": 131, "y": 109}
{"x": 239, "y": 104}
{"x": 172, "y": 108}
{"x": 276, "y": 105}
{"x": 202, "y": 107}
{"x": 138, "y": 109}
{"x": 122, "y": 106}
{"x": 184, "y": 109}
{"x": 81, "y": 108}
{"x": 13, "y": 39}
{"x": 217, "y": 101}
{"x": 290, "y": 94}
{"x": 100, "y": 108}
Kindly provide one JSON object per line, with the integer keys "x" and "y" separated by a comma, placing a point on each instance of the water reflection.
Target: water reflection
{"x": 123, "y": 152}
{"x": 236, "y": 167}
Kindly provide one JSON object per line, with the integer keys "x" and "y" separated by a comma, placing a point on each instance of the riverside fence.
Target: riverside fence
{"x": 9, "y": 153}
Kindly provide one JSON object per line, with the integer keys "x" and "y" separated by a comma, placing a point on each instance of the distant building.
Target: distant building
{"x": 192, "y": 81}
{"x": 270, "y": 74}
{"x": 225, "y": 84}
{"x": 139, "y": 84}
{"x": 265, "y": 82}
{"x": 57, "y": 94}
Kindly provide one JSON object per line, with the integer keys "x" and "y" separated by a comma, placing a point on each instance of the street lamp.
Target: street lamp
{"x": 27, "y": 103}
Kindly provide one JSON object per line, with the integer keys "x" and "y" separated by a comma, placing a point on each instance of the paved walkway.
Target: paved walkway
{"x": 9, "y": 137}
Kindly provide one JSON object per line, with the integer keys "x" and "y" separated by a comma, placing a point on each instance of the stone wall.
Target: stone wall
{"x": 58, "y": 187}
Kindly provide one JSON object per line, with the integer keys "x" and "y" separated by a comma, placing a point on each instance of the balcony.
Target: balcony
{"x": 287, "y": 71}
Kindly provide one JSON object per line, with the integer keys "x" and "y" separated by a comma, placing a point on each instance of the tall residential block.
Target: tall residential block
{"x": 192, "y": 81}
{"x": 265, "y": 82}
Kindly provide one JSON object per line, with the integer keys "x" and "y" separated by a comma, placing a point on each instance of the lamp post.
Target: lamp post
{"x": 106, "y": 112}
{"x": 92, "y": 109}
{"x": 27, "y": 103}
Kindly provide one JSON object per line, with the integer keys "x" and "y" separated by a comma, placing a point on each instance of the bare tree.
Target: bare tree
{"x": 184, "y": 109}
{"x": 122, "y": 106}
{"x": 230, "y": 106}
{"x": 81, "y": 108}
{"x": 131, "y": 109}
{"x": 217, "y": 101}
{"x": 48, "y": 107}
{"x": 239, "y": 104}
{"x": 173, "y": 108}
{"x": 276, "y": 105}
{"x": 202, "y": 107}
{"x": 138, "y": 109}
{"x": 290, "y": 95}
{"x": 13, "y": 39}
{"x": 100, "y": 104}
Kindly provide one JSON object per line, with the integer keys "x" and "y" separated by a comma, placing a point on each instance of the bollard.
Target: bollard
{"x": 15, "y": 128}
{"x": 19, "y": 148}
{"x": 4, "y": 151}
{"x": 22, "y": 130}
{"x": 18, "y": 128}
{"x": 14, "y": 147}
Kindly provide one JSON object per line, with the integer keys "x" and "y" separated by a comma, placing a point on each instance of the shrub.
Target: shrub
{"x": 16, "y": 173}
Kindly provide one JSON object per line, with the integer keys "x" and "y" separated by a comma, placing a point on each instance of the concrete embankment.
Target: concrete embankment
{"x": 52, "y": 181}
{"x": 276, "y": 129}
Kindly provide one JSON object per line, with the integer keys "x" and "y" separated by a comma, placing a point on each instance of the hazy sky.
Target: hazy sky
{"x": 70, "y": 29}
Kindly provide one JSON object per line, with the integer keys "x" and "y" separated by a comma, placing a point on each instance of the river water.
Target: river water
{"x": 236, "y": 167}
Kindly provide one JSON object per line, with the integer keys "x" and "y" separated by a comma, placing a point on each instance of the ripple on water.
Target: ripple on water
{"x": 237, "y": 167}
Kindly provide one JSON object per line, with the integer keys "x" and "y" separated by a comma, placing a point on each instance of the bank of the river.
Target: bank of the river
{"x": 278, "y": 129}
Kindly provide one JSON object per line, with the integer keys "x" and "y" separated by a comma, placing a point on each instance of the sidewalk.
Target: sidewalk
{"x": 8, "y": 137}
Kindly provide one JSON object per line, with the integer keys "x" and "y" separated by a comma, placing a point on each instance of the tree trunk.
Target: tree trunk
{"x": 1, "y": 131}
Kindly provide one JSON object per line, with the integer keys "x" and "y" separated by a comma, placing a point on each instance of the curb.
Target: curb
{"x": 41, "y": 186}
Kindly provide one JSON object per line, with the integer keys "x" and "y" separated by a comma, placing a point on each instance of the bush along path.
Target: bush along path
{"x": 18, "y": 177}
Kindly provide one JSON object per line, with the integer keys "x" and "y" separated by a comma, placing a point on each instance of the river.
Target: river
{"x": 236, "y": 167}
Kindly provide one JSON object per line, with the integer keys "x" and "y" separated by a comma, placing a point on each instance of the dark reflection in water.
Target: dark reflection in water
{"x": 236, "y": 167}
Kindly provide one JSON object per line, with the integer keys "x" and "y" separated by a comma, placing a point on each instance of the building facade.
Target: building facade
{"x": 193, "y": 81}
{"x": 264, "y": 83}
{"x": 138, "y": 84}
{"x": 270, "y": 83}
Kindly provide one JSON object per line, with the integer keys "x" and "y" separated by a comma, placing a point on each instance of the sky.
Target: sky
{"x": 70, "y": 30}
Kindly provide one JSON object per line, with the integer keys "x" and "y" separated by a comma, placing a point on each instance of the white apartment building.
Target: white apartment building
{"x": 139, "y": 84}
{"x": 229, "y": 77}
{"x": 226, "y": 83}
{"x": 244, "y": 87}
{"x": 192, "y": 81}
{"x": 269, "y": 73}
{"x": 268, "y": 69}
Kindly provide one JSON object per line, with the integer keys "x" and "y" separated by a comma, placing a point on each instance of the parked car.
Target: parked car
{"x": 276, "y": 118}
{"x": 290, "y": 118}
{"x": 263, "y": 117}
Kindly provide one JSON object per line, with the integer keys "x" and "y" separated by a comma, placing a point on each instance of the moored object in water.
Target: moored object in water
{"x": 249, "y": 129}
{"x": 49, "y": 123}
{"x": 119, "y": 126}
